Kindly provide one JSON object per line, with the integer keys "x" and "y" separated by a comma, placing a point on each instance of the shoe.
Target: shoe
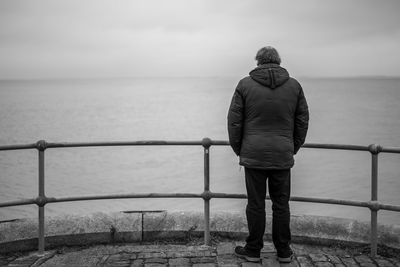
{"x": 285, "y": 259}
{"x": 241, "y": 252}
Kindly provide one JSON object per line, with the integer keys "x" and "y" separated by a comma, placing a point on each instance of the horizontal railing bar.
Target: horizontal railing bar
{"x": 126, "y": 143}
{"x": 300, "y": 199}
{"x": 337, "y": 146}
{"x": 188, "y": 143}
{"x": 228, "y": 195}
{"x": 184, "y": 143}
{"x": 332, "y": 201}
{"x": 194, "y": 195}
{"x": 121, "y": 196}
{"x": 220, "y": 143}
{"x": 315, "y": 145}
{"x": 391, "y": 149}
{"x": 389, "y": 207}
{"x": 18, "y": 203}
{"x": 18, "y": 147}
{"x": 354, "y": 203}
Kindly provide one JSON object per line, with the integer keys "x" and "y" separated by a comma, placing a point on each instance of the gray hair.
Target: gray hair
{"x": 267, "y": 55}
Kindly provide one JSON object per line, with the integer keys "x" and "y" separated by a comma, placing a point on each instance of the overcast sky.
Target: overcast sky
{"x": 54, "y": 38}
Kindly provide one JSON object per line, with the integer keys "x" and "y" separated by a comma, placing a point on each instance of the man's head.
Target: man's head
{"x": 267, "y": 55}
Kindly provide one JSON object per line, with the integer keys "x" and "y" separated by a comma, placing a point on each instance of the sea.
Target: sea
{"x": 360, "y": 111}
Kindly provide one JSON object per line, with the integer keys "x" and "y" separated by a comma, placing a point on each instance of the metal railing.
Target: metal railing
{"x": 41, "y": 200}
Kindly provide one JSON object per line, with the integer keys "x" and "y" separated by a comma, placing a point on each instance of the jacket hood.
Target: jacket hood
{"x": 270, "y": 75}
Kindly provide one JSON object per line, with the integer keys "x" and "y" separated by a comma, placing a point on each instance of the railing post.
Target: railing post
{"x": 41, "y": 199}
{"x": 374, "y": 149}
{"x": 206, "y": 142}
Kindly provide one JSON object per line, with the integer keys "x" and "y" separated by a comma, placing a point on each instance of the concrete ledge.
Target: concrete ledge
{"x": 101, "y": 228}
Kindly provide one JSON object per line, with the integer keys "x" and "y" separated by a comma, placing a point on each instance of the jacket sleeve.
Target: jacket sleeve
{"x": 301, "y": 122}
{"x": 235, "y": 121}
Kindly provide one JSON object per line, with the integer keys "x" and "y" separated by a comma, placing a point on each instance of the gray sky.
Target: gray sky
{"x": 54, "y": 38}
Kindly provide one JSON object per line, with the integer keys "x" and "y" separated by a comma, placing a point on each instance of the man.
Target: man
{"x": 267, "y": 125}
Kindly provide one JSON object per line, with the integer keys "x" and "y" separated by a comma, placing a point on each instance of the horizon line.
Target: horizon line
{"x": 190, "y": 76}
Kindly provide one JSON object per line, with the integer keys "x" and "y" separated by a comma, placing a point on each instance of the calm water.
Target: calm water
{"x": 346, "y": 111}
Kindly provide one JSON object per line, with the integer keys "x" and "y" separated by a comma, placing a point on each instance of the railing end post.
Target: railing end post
{"x": 374, "y": 205}
{"x": 41, "y": 145}
{"x": 41, "y": 201}
{"x": 206, "y": 142}
{"x": 206, "y": 195}
{"x": 375, "y": 149}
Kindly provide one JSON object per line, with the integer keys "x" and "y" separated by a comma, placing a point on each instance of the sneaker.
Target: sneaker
{"x": 241, "y": 252}
{"x": 285, "y": 259}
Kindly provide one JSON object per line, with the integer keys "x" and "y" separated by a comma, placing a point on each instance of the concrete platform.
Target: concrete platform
{"x": 175, "y": 239}
{"x": 192, "y": 254}
{"x": 136, "y": 227}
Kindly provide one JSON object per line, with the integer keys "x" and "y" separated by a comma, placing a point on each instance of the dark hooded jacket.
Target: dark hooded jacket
{"x": 268, "y": 118}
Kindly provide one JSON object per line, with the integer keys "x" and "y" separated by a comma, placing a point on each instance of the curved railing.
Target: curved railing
{"x": 206, "y": 195}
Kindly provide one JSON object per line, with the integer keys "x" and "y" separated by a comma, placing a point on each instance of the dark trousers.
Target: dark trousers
{"x": 279, "y": 191}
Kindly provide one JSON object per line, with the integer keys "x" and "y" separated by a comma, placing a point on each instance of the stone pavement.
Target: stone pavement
{"x": 219, "y": 254}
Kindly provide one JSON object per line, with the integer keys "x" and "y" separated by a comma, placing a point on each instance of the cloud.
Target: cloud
{"x": 197, "y": 37}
